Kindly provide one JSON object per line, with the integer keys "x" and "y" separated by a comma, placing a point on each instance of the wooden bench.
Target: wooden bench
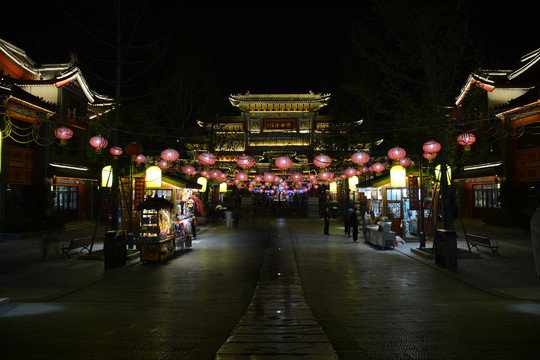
{"x": 478, "y": 240}
{"x": 83, "y": 243}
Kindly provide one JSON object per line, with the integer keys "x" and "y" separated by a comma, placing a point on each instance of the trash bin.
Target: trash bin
{"x": 114, "y": 248}
{"x": 445, "y": 243}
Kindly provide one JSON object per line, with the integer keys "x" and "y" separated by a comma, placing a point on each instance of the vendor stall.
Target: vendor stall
{"x": 156, "y": 239}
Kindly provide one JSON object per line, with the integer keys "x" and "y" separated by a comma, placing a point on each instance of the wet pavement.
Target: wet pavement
{"x": 275, "y": 288}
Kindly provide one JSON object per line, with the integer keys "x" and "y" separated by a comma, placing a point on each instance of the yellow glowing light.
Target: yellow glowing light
{"x": 353, "y": 181}
{"x": 397, "y": 176}
{"x": 223, "y": 187}
{"x": 202, "y": 181}
{"x": 107, "y": 176}
{"x": 333, "y": 187}
{"x": 153, "y": 177}
{"x": 448, "y": 173}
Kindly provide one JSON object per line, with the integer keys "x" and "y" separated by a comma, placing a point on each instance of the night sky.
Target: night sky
{"x": 260, "y": 49}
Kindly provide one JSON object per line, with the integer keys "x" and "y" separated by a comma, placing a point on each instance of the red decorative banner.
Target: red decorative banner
{"x": 138, "y": 191}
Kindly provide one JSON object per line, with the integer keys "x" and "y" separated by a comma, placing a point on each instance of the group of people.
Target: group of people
{"x": 350, "y": 220}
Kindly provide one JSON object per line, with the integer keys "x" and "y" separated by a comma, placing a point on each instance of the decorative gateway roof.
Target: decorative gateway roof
{"x": 279, "y": 102}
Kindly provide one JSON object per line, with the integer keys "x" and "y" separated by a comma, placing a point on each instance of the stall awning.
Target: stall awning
{"x": 479, "y": 171}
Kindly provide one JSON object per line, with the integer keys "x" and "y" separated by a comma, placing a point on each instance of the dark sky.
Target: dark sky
{"x": 287, "y": 48}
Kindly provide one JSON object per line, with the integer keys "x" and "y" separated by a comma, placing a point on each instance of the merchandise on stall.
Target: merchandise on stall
{"x": 156, "y": 235}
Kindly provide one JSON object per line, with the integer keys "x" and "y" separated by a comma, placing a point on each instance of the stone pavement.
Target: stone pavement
{"x": 269, "y": 324}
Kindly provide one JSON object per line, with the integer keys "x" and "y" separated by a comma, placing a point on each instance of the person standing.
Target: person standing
{"x": 353, "y": 224}
{"x": 326, "y": 221}
{"x": 346, "y": 221}
{"x": 193, "y": 220}
{"x": 236, "y": 217}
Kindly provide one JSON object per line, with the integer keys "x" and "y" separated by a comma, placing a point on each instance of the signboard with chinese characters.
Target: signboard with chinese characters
{"x": 414, "y": 199}
{"x": 271, "y": 124}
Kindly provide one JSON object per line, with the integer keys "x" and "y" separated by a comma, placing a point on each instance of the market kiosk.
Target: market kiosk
{"x": 156, "y": 234}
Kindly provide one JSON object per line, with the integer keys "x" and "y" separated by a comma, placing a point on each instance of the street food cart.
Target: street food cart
{"x": 156, "y": 234}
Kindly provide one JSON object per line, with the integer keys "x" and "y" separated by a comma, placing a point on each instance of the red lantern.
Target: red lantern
{"x": 116, "y": 151}
{"x": 466, "y": 139}
{"x": 430, "y": 156}
{"x": 140, "y": 158}
{"x": 245, "y": 161}
{"x": 283, "y": 162}
{"x": 241, "y": 176}
{"x": 258, "y": 178}
{"x": 360, "y": 157}
{"x": 162, "y": 164}
{"x": 350, "y": 172}
{"x": 322, "y": 161}
{"x": 269, "y": 177}
{"x": 188, "y": 170}
{"x": 431, "y": 147}
{"x": 169, "y": 154}
{"x": 63, "y": 133}
{"x": 377, "y": 167}
{"x": 215, "y": 173}
{"x": 405, "y": 161}
{"x": 343, "y": 176}
{"x": 207, "y": 158}
{"x": 134, "y": 149}
{"x": 396, "y": 153}
{"x": 297, "y": 177}
{"x": 99, "y": 142}
{"x": 325, "y": 175}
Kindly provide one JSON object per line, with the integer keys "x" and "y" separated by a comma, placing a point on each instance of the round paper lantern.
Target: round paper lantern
{"x": 269, "y": 177}
{"x": 431, "y": 146}
{"x": 322, "y": 161}
{"x": 325, "y": 175}
{"x": 312, "y": 177}
{"x": 466, "y": 139}
{"x": 397, "y": 176}
{"x": 350, "y": 172}
{"x": 245, "y": 161}
{"x": 99, "y": 142}
{"x": 343, "y": 176}
{"x": 162, "y": 164}
{"x": 283, "y": 162}
{"x": 430, "y": 156}
{"x": 140, "y": 158}
{"x": 215, "y": 173}
{"x": 258, "y": 178}
{"x": 405, "y": 161}
{"x": 396, "y": 153}
{"x": 360, "y": 157}
{"x": 169, "y": 154}
{"x": 116, "y": 151}
{"x": 241, "y": 176}
{"x": 134, "y": 149}
{"x": 207, "y": 158}
{"x": 205, "y": 174}
{"x": 63, "y": 133}
{"x": 188, "y": 170}
{"x": 297, "y": 177}
{"x": 377, "y": 167}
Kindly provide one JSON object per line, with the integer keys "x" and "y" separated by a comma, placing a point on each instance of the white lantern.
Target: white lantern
{"x": 153, "y": 177}
{"x": 397, "y": 176}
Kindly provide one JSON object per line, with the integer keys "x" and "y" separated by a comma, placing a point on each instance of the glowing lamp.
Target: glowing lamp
{"x": 353, "y": 181}
{"x": 322, "y": 161}
{"x": 116, "y": 151}
{"x": 258, "y": 178}
{"x": 269, "y": 177}
{"x": 222, "y": 187}
{"x": 448, "y": 173}
{"x": 397, "y": 176}
{"x": 207, "y": 158}
{"x": 188, "y": 170}
{"x": 466, "y": 139}
{"x": 360, "y": 157}
{"x": 153, "y": 177}
{"x": 333, "y": 187}
{"x": 215, "y": 173}
{"x": 241, "y": 176}
{"x": 431, "y": 146}
{"x": 63, "y": 133}
{"x": 98, "y": 142}
{"x": 405, "y": 161}
{"x": 343, "y": 176}
{"x": 350, "y": 172}
{"x": 162, "y": 164}
{"x": 245, "y": 161}
{"x": 430, "y": 156}
{"x": 169, "y": 154}
{"x": 283, "y": 162}
{"x": 312, "y": 177}
{"x": 203, "y": 182}
{"x": 297, "y": 177}
{"x": 140, "y": 158}
{"x": 396, "y": 153}
{"x": 107, "y": 176}
{"x": 325, "y": 175}
{"x": 377, "y": 167}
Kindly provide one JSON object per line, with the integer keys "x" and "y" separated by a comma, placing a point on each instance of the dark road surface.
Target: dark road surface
{"x": 370, "y": 303}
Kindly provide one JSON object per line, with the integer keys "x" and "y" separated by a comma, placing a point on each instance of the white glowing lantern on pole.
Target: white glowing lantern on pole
{"x": 153, "y": 177}
{"x": 222, "y": 187}
{"x": 353, "y": 181}
{"x": 398, "y": 176}
{"x": 203, "y": 182}
{"x": 448, "y": 173}
{"x": 107, "y": 176}
{"x": 333, "y": 187}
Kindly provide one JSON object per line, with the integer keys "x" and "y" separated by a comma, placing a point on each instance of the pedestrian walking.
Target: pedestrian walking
{"x": 193, "y": 220}
{"x": 236, "y": 217}
{"x": 353, "y": 224}
{"x": 346, "y": 221}
{"x": 326, "y": 221}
